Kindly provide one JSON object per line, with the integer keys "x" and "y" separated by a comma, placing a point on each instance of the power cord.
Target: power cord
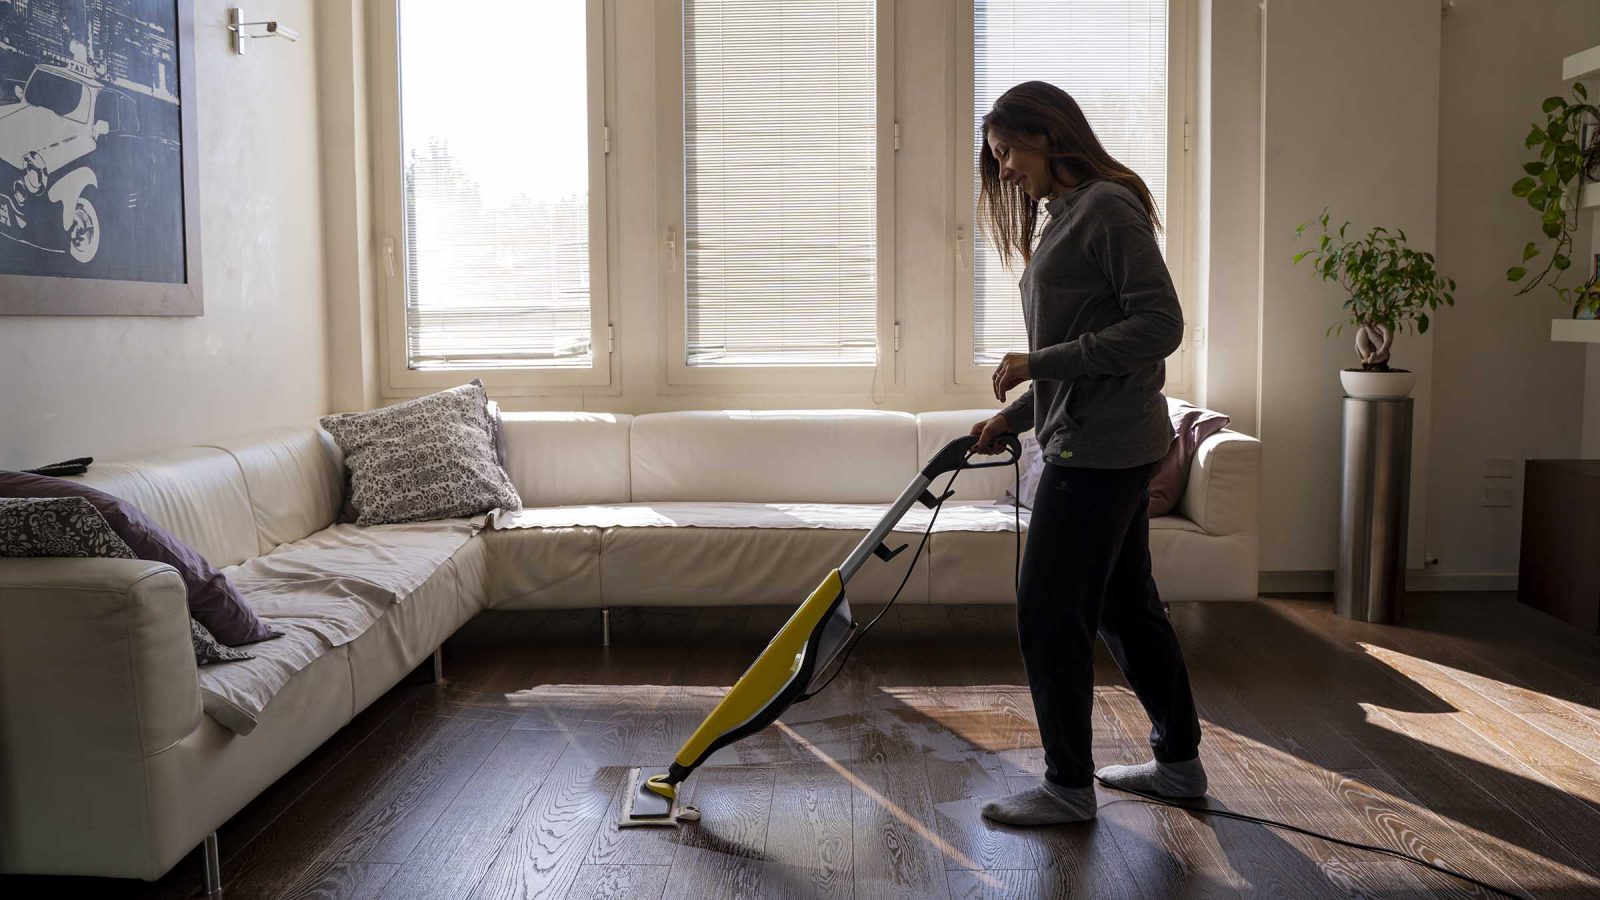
{"x": 1273, "y": 823}
{"x": 1016, "y": 466}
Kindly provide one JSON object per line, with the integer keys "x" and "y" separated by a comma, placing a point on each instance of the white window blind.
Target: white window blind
{"x": 780, "y": 182}
{"x": 495, "y": 156}
{"x": 1111, "y": 56}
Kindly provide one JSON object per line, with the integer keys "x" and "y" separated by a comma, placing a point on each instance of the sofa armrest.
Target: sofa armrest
{"x": 97, "y": 675}
{"x": 1222, "y": 495}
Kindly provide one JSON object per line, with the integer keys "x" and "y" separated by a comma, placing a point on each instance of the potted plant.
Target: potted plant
{"x": 1569, "y": 158}
{"x": 1390, "y": 287}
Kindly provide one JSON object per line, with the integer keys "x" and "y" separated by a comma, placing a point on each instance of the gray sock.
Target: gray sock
{"x": 1047, "y": 804}
{"x": 1181, "y": 779}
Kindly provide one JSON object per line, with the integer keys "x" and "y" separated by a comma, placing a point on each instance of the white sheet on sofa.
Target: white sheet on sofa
{"x": 983, "y": 516}
{"x": 322, "y": 592}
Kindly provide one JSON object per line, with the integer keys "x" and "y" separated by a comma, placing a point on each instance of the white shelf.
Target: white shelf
{"x": 1583, "y": 331}
{"x": 1580, "y": 65}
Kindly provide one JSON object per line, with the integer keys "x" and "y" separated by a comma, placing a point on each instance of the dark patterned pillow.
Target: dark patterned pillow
{"x": 428, "y": 458}
{"x": 72, "y": 526}
{"x": 57, "y": 526}
{"x": 207, "y": 650}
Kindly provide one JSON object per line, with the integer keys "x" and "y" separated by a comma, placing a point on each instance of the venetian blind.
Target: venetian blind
{"x": 1111, "y": 56}
{"x": 780, "y": 182}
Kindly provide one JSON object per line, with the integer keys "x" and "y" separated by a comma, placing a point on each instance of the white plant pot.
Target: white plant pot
{"x": 1377, "y": 385}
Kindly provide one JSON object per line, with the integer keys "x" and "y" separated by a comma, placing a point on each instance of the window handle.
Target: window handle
{"x": 672, "y": 249}
{"x": 388, "y": 254}
{"x": 963, "y": 250}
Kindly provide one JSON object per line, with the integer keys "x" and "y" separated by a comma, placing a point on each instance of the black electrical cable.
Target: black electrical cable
{"x": 1016, "y": 465}
{"x": 1273, "y": 823}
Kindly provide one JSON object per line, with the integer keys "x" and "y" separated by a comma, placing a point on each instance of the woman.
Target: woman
{"x": 1102, "y": 316}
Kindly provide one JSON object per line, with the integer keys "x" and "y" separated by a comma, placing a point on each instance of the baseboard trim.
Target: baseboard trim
{"x": 1320, "y": 581}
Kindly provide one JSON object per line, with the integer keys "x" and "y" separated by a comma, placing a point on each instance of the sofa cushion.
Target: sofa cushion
{"x": 428, "y": 458}
{"x": 561, "y": 458}
{"x": 196, "y": 494}
{"x": 773, "y": 456}
{"x": 212, "y": 598}
{"x": 294, "y": 477}
{"x": 324, "y": 592}
{"x": 935, "y": 429}
{"x": 745, "y": 566}
{"x": 534, "y": 568}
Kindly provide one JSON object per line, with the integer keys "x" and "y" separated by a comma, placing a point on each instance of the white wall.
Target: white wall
{"x": 1503, "y": 388}
{"x": 109, "y": 387}
{"x": 1351, "y": 103}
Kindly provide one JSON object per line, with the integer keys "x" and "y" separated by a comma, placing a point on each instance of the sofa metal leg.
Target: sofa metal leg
{"x": 605, "y": 627}
{"x": 431, "y": 671}
{"x": 213, "y": 867}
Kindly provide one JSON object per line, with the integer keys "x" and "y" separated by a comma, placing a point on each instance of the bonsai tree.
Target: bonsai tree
{"x": 1389, "y": 286}
{"x": 1553, "y": 184}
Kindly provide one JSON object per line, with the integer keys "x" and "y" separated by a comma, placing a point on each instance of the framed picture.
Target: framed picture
{"x": 99, "y": 200}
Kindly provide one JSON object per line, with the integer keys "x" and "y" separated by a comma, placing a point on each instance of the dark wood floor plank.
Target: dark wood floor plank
{"x": 468, "y": 837}
{"x": 603, "y": 882}
{"x": 373, "y": 808}
{"x": 722, "y": 855}
{"x": 348, "y": 881}
{"x": 993, "y": 884}
{"x": 809, "y": 852}
{"x": 959, "y": 786}
{"x": 543, "y": 854}
{"x": 897, "y": 848}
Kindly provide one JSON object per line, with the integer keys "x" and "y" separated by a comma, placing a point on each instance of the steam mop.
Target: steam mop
{"x": 807, "y": 652}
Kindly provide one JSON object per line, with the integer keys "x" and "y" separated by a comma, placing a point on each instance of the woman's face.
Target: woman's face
{"x": 1022, "y": 164}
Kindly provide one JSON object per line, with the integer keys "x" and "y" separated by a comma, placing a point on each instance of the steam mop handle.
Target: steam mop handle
{"x": 955, "y": 455}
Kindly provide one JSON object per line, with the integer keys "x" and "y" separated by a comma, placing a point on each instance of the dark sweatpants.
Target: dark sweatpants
{"x": 1087, "y": 565}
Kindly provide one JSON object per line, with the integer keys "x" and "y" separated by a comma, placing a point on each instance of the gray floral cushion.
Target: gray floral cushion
{"x": 72, "y": 526}
{"x": 57, "y": 526}
{"x": 428, "y": 458}
{"x": 207, "y": 650}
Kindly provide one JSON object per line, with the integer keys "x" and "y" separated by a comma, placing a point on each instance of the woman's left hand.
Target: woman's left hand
{"x": 1012, "y": 371}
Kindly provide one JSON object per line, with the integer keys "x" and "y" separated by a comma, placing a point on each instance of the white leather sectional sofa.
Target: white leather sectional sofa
{"x": 118, "y": 756}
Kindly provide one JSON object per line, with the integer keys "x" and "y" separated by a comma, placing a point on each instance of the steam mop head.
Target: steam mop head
{"x": 644, "y": 805}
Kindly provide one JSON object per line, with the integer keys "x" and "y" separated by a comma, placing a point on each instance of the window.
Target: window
{"x": 1115, "y": 57}
{"x": 499, "y": 209}
{"x": 776, "y": 224}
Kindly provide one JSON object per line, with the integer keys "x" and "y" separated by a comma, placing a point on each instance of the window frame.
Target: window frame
{"x": 398, "y": 378}
{"x": 1179, "y": 213}
{"x": 669, "y": 233}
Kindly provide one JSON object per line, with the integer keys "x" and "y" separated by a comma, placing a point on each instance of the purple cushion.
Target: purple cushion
{"x": 213, "y": 600}
{"x": 1191, "y": 426}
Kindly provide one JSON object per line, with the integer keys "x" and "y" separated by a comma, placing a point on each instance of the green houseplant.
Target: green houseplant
{"x": 1389, "y": 287}
{"x": 1553, "y": 185}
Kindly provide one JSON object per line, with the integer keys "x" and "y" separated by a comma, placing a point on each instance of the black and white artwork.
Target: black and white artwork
{"x": 95, "y": 176}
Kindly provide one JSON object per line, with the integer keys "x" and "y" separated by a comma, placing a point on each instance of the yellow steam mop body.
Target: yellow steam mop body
{"x": 800, "y": 658}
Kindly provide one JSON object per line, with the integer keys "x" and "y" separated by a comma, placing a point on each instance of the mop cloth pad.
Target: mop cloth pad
{"x": 1047, "y": 804}
{"x": 1180, "y": 779}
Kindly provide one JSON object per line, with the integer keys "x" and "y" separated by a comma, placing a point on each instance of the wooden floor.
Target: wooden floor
{"x": 1471, "y": 737}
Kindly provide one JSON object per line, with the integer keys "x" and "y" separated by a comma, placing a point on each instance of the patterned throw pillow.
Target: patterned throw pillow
{"x": 57, "y": 526}
{"x": 72, "y": 526}
{"x": 428, "y": 458}
{"x": 207, "y": 650}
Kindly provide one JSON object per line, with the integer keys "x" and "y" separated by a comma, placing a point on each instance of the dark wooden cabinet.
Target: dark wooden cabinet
{"x": 1559, "y": 569}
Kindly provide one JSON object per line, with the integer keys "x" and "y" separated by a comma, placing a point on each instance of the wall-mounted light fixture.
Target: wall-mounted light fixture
{"x": 243, "y": 30}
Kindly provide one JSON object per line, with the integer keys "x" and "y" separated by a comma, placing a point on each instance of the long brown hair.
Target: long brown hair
{"x": 1045, "y": 118}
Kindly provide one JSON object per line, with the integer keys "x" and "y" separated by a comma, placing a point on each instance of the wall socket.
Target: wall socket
{"x": 1499, "y": 468}
{"x": 1497, "y": 495}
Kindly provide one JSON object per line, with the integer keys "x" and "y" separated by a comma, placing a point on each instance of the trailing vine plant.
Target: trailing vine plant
{"x": 1553, "y": 184}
